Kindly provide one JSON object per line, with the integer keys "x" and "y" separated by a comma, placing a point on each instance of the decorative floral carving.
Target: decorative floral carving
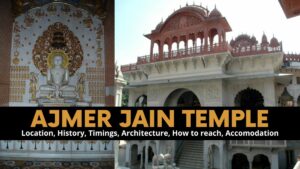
{"x": 33, "y": 85}
{"x": 51, "y": 8}
{"x": 95, "y": 78}
{"x": 16, "y": 28}
{"x": 88, "y": 22}
{"x": 99, "y": 32}
{"x": 39, "y": 13}
{"x": 28, "y": 21}
{"x": 18, "y": 76}
{"x": 77, "y": 14}
{"x": 71, "y": 47}
{"x": 66, "y": 8}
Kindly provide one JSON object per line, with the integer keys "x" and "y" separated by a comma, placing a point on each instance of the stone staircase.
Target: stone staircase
{"x": 191, "y": 156}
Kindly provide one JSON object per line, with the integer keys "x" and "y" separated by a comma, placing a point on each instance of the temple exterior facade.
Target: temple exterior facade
{"x": 191, "y": 63}
{"x": 57, "y": 53}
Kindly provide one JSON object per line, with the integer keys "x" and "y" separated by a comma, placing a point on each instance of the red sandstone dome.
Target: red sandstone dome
{"x": 196, "y": 11}
{"x": 215, "y": 13}
{"x": 274, "y": 42}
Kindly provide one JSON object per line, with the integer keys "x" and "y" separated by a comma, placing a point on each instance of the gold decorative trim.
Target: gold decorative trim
{"x": 58, "y": 53}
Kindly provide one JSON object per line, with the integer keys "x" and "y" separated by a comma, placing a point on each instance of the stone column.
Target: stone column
{"x": 128, "y": 154}
{"x": 194, "y": 45}
{"x": 250, "y": 159}
{"x": 186, "y": 46}
{"x": 205, "y": 40}
{"x": 170, "y": 50}
{"x": 205, "y": 153}
{"x": 157, "y": 147}
{"x": 161, "y": 50}
{"x": 141, "y": 165}
{"x": 211, "y": 41}
{"x": 146, "y": 154}
{"x": 116, "y": 150}
{"x": 230, "y": 163}
{"x": 220, "y": 38}
{"x": 274, "y": 161}
{"x": 222, "y": 161}
{"x": 224, "y": 36}
{"x": 151, "y": 50}
{"x": 131, "y": 97}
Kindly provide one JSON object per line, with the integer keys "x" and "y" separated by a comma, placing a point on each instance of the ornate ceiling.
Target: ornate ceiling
{"x": 96, "y": 7}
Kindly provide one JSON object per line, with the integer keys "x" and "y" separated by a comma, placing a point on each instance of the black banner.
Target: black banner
{"x": 149, "y": 123}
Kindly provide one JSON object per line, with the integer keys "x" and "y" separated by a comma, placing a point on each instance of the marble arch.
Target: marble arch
{"x": 249, "y": 97}
{"x": 174, "y": 97}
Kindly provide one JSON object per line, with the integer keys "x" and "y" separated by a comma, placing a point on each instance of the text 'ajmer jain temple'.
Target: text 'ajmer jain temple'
{"x": 196, "y": 66}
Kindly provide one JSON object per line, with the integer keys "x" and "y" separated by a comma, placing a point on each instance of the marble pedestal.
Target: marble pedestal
{"x": 57, "y": 102}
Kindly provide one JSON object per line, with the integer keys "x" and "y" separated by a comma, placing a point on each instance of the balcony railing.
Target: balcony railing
{"x": 258, "y": 143}
{"x": 202, "y": 50}
{"x": 291, "y": 57}
{"x": 255, "y": 50}
{"x": 129, "y": 67}
{"x": 184, "y": 53}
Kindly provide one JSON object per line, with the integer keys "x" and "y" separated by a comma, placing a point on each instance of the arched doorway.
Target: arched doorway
{"x": 183, "y": 98}
{"x": 141, "y": 101}
{"x": 249, "y": 98}
{"x": 240, "y": 161}
{"x": 135, "y": 160}
{"x": 261, "y": 162}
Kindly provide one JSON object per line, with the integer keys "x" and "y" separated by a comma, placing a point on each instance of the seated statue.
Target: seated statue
{"x": 57, "y": 82}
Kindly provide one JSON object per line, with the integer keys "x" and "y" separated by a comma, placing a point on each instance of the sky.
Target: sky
{"x": 135, "y": 18}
